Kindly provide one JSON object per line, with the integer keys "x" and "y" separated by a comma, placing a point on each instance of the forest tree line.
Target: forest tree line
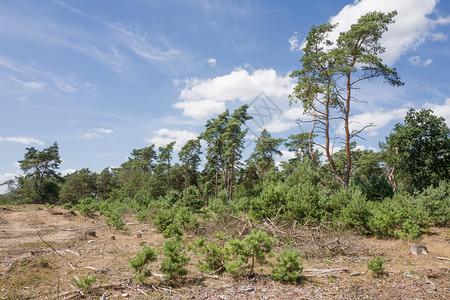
{"x": 399, "y": 191}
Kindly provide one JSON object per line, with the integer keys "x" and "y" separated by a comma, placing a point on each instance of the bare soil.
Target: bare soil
{"x": 43, "y": 249}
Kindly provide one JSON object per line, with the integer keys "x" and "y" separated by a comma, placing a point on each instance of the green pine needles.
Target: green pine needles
{"x": 138, "y": 265}
{"x": 288, "y": 267}
{"x": 175, "y": 259}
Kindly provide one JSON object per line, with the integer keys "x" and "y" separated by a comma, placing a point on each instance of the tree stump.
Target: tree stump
{"x": 418, "y": 249}
{"x": 88, "y": 233}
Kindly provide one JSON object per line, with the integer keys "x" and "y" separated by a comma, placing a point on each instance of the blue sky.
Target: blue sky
{"x": 104, "y": 77}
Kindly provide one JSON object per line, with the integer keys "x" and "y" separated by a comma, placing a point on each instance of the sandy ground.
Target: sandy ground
{"x": 44, "y": 268}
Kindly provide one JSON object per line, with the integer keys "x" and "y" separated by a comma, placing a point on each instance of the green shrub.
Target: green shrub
{"x": 85, "y": 283}
{"x": 175, "y": 259}
{"x": 163, "y": 219}
{"x": 436, "y": 201}
{"x": 186, "y": 218}
{"x": 253, "y": 247}
{"x": 86, "y": 206}
{"x": 191, "y": 199}
{"x": 357, "y": 212}
{"x": 272, "y": 198}
{"x": 215, "y": 255}
{"x": 138, "y": 265}
{"x": 172, "y": 230}
{"x": 303, "y": 202}
{"x": 376, "y": 188}
{"x": 375, "y": 265}
{"x": 402, "y": 217}
{"x": 114, "y": 220}
{"x": 288, "y": 267}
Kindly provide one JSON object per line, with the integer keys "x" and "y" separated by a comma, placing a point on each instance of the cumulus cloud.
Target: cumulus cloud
{"x": 440, "y": 110}
{"x": 412, "y": 26}
{"x": 201, "y": 98}
{"x": 379, "y": 119}
{"x": 165, "y": 136}
{"x": 279, "y": 125}
{"x": 22, "y": 140}
{"x": 200, "y": 109}
{"x": 416, "y": 61}
{"x": 212, "y": 61}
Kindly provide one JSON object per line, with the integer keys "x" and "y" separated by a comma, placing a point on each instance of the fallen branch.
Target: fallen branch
{"x": 67, "y": 229}
{"x": 443, "y": 258}
{"x": 78, "y": 291}
{"x": 48, "y": 244}
{"x": 320, "y": 272}
{"x": 73, "y": 252}
{"x": 428, "y": 281}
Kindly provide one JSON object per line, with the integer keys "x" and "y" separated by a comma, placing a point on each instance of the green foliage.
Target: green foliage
{"x": 138, "y": 265}
{"x": 376, "y": 266}
{"x": 288, "y": 267}
{"x": 357, "y": 211}
{"x": 175, "y": 259}
{"x": 215, "y": 255}
{"x": 191, "y": 198}
{"x": 186, "y": 218}
{"x": 87, "y": 206}
{"x": 263, "y": 154}
{"x": 43, "y": 262}
{"x": 114, "y": 220}
{"x": 376, "y": 188}
{"x": 436, "y": 201}
{"x": 172, "y": 230}
{"x": 418, "y": 149}
{"x": 40, "y": 169}
{"x": 253, "y": 247}
{"x": 328, "y": 68}
{"x": 272, "y": 198}
{"x": 402, "y": 216}
{"x": 163, "y": 219}
{"x": 86, "y": 283}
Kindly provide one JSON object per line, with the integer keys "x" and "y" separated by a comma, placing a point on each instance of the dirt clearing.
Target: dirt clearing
{"x": 43, "y": 249}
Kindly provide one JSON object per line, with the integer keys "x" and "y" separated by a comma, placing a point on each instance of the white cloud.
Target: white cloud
{"x": 294, "y": 42}
{"x": 416, "y": 61}
{"x": 212, "y": 62}
{"x": 412, "y": 26}
{"x": 201, "y": 98}
{"x": 200, "y": 109}
{"x": 34, "y": 84}
{"x": 443, "y": 21}
{"x": 103, "y": 130}
{"x": 7, "y": 176}
{"x": 22, "y": 140}
{"x": 439, "y": 36}
{"x": 293, "y": 113}
{"x": 440, "y": 110}
{"x": 97, "y": 132}
{"x": 279, "y": 125}
{"x": 379, "y": 118}
{"x": 287, "y": 154}
{"x": 67, "y": 171}
{"x": 30, "y": 83}
{"x": 165, "y": 136}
